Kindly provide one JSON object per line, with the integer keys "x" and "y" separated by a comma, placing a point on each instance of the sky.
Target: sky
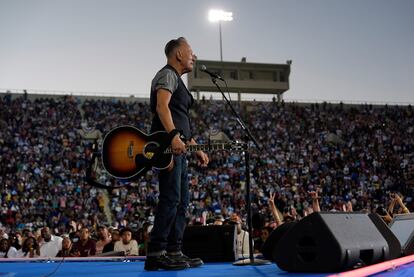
{"x": 353, "y": 50}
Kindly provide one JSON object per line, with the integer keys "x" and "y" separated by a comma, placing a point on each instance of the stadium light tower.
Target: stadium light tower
{"x": 219, "y": 16}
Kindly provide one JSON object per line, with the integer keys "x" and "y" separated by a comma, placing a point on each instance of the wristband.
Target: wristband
{"x": 173, "y": 133}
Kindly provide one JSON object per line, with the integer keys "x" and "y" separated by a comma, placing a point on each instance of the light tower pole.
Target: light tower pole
{"x": 219, "y": 16}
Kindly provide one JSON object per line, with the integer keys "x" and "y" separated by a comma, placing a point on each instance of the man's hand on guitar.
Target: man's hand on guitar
{"x": 177, "y": 145}
{"x": 202, "y": 158}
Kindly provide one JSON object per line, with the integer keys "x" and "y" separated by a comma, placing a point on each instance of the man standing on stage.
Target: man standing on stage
{"x": 170, "y": 101}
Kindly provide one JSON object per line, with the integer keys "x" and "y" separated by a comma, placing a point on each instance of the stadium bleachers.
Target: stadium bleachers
{"x": 352, "y": 153}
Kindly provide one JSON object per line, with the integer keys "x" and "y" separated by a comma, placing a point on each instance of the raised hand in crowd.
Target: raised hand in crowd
{"x": 274, "y": 209}
{"x": 387, "y": 218}
{"x": 349, "y": 207}
{"x": 399, "y": 200}
{"x": 315, "y": 200}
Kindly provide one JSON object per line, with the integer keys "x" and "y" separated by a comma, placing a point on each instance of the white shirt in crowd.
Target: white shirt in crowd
{"x": 12, "y": 253}
{"x": 20, "y": 254}
{"x": 130, "y": 249}
{"x": 52, "y": 247}
{"x": 242, "y": 245}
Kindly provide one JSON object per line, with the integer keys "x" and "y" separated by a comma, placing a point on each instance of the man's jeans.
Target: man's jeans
{"x": 169, "y": 223}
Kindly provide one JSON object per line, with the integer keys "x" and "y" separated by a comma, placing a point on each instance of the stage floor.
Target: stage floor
{"x": 135, "y": 267}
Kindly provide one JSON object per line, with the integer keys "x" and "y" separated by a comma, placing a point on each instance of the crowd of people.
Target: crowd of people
{"x": 339, "y": 157}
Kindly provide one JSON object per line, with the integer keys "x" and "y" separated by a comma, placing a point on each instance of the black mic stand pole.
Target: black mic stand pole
{"x": 247, "y": 137}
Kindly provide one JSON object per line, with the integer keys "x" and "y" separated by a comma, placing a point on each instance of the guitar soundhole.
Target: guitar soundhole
{"x": 150, "y": 149}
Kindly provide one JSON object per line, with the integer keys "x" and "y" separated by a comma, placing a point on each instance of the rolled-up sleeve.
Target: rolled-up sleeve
{"x": 166, "y": 79}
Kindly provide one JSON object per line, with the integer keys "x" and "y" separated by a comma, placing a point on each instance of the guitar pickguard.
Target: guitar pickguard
{"x": 150, "y": 149}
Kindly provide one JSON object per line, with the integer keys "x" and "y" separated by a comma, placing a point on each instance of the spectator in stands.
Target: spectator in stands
{"x": 51, "y": 244}
{"x": 144, "y": 239}
{"x": 30, "y": 249}
{"x": 275, "y": 211}
{"x": 315, "y": 200}
{"x": 14, "y": 239}
{"x": 67, "y": 249}
{"x": 86, "y": 246}
{"x": 104, "y": 239}
{"x": 388, "y": 214}
{"x": 265, "y": 233}
{"x": 383, "y": 213}
{"x": 115, "y": 237}
{"x": 218, "y": 220}
{"x": 6, "y": 250}
{"x": 242, "y": 241}
{"x": 26, "y": 233}
{"x": 3, "y": 234}
{"x": 396, "y": 200}
{"x": 128, "y": 245}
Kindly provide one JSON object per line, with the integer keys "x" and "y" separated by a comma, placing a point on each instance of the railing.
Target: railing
{"x": 349, "y": 102}
{"x": 215, "y": 96}
{"x": 76, "y": 93}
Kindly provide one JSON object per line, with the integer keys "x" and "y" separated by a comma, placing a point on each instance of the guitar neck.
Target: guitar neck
{"x": 202, "y": 147}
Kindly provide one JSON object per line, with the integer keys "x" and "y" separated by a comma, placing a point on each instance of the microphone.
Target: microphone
{"x": 212, "y": 74}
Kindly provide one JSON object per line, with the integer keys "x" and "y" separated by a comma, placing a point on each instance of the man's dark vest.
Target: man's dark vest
{"x": 180, "y": 102}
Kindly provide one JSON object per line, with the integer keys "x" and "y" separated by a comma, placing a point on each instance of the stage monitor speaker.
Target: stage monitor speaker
{"x": 331, "y": 242}
{"x": 393, "y": 242}
{"x": 402, "y": 226}
{"x": 275, "y": 236}
{"x": 213, "y": 243}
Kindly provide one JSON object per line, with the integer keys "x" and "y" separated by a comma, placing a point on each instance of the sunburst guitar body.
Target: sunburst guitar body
{"x": 128, "y": 153}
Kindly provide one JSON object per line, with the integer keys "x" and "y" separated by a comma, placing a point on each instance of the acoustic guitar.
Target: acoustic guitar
{"x": 128, "y": 153}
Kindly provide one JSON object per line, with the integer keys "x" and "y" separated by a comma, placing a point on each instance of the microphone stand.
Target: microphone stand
{"x": 247, "y": 137}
